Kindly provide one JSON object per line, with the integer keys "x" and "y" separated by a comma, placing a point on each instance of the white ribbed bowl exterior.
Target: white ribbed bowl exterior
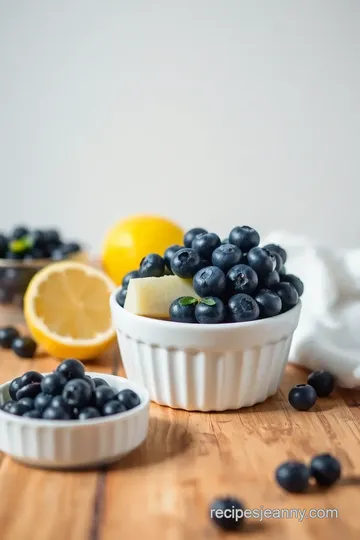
{"x": 74, "y": 444}
{"x": 205, "y": 367}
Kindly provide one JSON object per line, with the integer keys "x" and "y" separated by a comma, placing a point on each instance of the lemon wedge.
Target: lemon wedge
{"x": 66, "y": 308}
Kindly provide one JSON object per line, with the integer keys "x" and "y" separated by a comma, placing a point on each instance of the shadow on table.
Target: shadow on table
{"x": 164, "y": 441}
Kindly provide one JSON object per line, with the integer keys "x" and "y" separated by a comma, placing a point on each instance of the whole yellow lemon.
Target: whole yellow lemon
{"x": 135, "y": 237}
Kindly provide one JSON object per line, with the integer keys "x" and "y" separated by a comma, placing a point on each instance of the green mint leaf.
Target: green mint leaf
{"x": 187, "y": 301}
{"x": 208, "y": 301}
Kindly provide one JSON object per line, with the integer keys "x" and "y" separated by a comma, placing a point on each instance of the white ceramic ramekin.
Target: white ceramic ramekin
{"x": 74, "y": 444}
{"x": 201, "y": 367}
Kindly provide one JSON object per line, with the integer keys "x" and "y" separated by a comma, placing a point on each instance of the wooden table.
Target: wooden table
{"x": 163, "y": 489}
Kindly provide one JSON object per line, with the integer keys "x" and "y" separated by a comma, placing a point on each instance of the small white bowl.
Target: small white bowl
{"x": 75, "y": 443}
{"x": 201, "y": 367}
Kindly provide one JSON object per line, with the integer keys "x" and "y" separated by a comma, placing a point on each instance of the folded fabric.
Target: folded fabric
{"x": 328, "y": 336}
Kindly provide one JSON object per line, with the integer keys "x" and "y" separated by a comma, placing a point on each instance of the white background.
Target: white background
{"x": 213, "y": 112}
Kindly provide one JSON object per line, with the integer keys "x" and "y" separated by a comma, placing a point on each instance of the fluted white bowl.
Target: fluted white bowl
{"x": 74, "y": 443}
{"x": 201, "y": 367}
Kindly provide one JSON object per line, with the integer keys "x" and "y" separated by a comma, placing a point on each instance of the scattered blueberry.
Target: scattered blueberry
{"x": 209, "y": 281}
{"x": 210, "y": 310}
{"x": 205, "y": 243}
{"x": 130, "y": 275}
{"x": 190, "y": 235}
{"x": 32, "y": 414}
{"x": 186, "y": 262}
{"x": 268, "y": 281}
{"x": 183, "y": 310}
{"x": 103, "y": 394}
{"x": 245, "y": 238}
{"x": 89, "y": 412}
{"x": 113, "y": 407}
{"x": 242, "y": 308}
{"x": 152, "y": 265}
{"x": 7, "y": 336}
{"x": 226, "y": 256}
{"x": 53, "y": 383}
{"x": 289, "y": 296}
{"x": 295, "y": 282}
{"x": 241, "y": 279}
{"x": 42, "y": 401}
{"x": 261, "y": 260}
{"x": 227, "y": 513}
{"x": 121, "y": 297}
{"x": 24, "y": 347}
{"x": 55, "y": 413}
{"x": 129, "y": 398}
{"x": 277, "y": 249}
{"x": 99, "y": 382}
{"x": 30, "y": 390}
{"x": 15, "y": 385}
{"x": 293, "y": 476}
{"x": 169, "y": 253}
{"x": 71, "y": 369}
{"x": 325, "y": 469}
{"x": 268, "y": 302}
{"x": 77, "y": 393}
{"x": 302, "y": 397}
{"x": 322, "y": 382}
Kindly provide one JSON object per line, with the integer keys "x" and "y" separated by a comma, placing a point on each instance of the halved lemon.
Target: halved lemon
{"x": 66, "y": 308}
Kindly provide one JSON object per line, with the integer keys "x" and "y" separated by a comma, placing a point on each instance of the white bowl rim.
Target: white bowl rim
{"x": 63, "y": 424}
{"x": 148, "y": 321}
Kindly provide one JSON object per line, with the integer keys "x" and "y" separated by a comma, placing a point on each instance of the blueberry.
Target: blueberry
{"x": 278, "y": 259}
{"x": 89, "y": 412}
{"x": 129, "y": 398}
{"x": 121, "y": 297}
{"x": 322, "y": 382}
{"x": 19, "y": 232}
{"x": 186, "y": 262}
{"x": 268, "y": 281}
{"x": 210, "y": 310}
{"x": 15, "y": 385}
{"x": 58, "y": 401}
{"x": 226, "y": 256}
{"x": 103, "y": 394}
{"x": 227, "y": 513}
{"x": 53, "y": 383}
{"x": 71, "y": 369}
{"x": 3, "y": 245}
{"x": 293, "y": 476}
{"x": 30, "y": 377}
{"x": 325, "y": 469}
{"x": 205, "y": 243}
{"x": 245, "y": 238}
{"x": 16, "y": 408}
{"x": 261, "y": 260}
{"x": 209, "y": 281}
{"x": 27, "y": 402}
{"x": 302, "y": 397}
{"x": 38, "y": 239}
{"x": 113, "y": 407}
{"x": 51, "y": 236}
{"x": 130, "y": 275}
{"x": 32, "y": 414}
{"x": 268, "y": 302}
{"x": 277, "y": 249}
{"x": 289, "y": 296}
{"x": 190, "y": 235}
{"x": 56, "y": 413}
{"x": 7, "y": 336}
{"x": 30, "y": 390}
{"x": 170, "y": 252}
{"x": 24, "y": 347}
{"x": 99, "y": 382}
{"x": 295, "y": 282}
{"x": 42, "y": 401}
{"x": 183, "y": 310}
{"x": 91, "y": 382}
{"x": 241, "y": 279}
{"x": 152, "y": 265}
{"x": 77, "y": 393}
{"x": 7, "y": 405}
{"x": 242, "y": 308}
{"x": 282, "y": 272}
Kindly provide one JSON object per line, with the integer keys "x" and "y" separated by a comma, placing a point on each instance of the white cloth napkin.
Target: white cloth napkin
{"x": 328, "y": 336}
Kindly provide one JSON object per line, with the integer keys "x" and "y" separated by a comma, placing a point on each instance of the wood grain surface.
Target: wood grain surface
{"x": 163, "y": 489}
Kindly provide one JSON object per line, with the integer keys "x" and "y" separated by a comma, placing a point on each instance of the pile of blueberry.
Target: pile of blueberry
{"x": 66, "y": 394}
{"x": 319, "y": 384}
{"x": 24, "y": 347}
{"x": 236, "y": 279}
